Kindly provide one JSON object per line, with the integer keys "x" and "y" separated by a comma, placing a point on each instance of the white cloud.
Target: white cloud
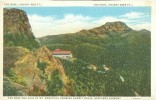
{"x": 70, "y": 23}
{"x": 46, "y": 25}
{"x": 140, "y": 26}
{"x": 133, "y": 15}
{"x": 37, "y": 18}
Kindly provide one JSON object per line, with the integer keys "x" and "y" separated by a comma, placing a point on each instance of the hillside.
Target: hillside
{"x": 114, "y": 44}
{"x": 29, "y": 69}
{"x": 94, "y": 44}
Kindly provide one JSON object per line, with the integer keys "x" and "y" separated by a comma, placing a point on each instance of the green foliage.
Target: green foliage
{"x": 128, "y": 54}
{"x": 11, "y": 89}
{"x": 55, "y": 86}
{"x": 20, "y": 40}
{"x": 20, "y": 80}
{"x": 10, "y": 73}
{"x": 85, "y": 80}
{"x": 61, "y": 46}
{"x": 41, "y": 65}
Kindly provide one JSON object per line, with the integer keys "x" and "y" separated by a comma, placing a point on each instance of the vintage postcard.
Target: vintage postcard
{"x": 89, "y": 50}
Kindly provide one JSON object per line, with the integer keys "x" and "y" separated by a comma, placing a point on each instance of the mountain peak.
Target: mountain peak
{"x": 144, "y": 31}
{"x": 117, "y": 26}
{"x": 117, "y": 23}
{"x": 16, "y": 22}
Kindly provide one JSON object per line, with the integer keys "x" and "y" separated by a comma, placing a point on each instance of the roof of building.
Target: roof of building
{"x": 59, "y": 51}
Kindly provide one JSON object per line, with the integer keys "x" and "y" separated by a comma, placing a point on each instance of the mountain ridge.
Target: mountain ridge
{"x": 116, "y": 27}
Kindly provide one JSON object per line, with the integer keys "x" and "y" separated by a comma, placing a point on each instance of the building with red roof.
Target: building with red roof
{"x": 62, "y": 53}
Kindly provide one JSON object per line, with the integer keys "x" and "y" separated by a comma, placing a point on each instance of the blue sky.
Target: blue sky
{"x": 86, "y": 11}
{"x": 61, "y": 20}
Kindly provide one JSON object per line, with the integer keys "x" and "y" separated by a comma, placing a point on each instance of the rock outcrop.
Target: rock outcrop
{"x": 17, "y": 30}
{"x": 16, "y": 22}
{"x": 35, "y": 69}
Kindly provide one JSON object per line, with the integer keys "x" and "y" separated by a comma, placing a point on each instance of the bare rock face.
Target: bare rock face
{"x": 16, "y": 22}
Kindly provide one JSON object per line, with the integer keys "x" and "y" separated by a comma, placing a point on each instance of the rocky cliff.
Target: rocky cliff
{"x": 17, "y": 30}
{"x": 16, "y": 22}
